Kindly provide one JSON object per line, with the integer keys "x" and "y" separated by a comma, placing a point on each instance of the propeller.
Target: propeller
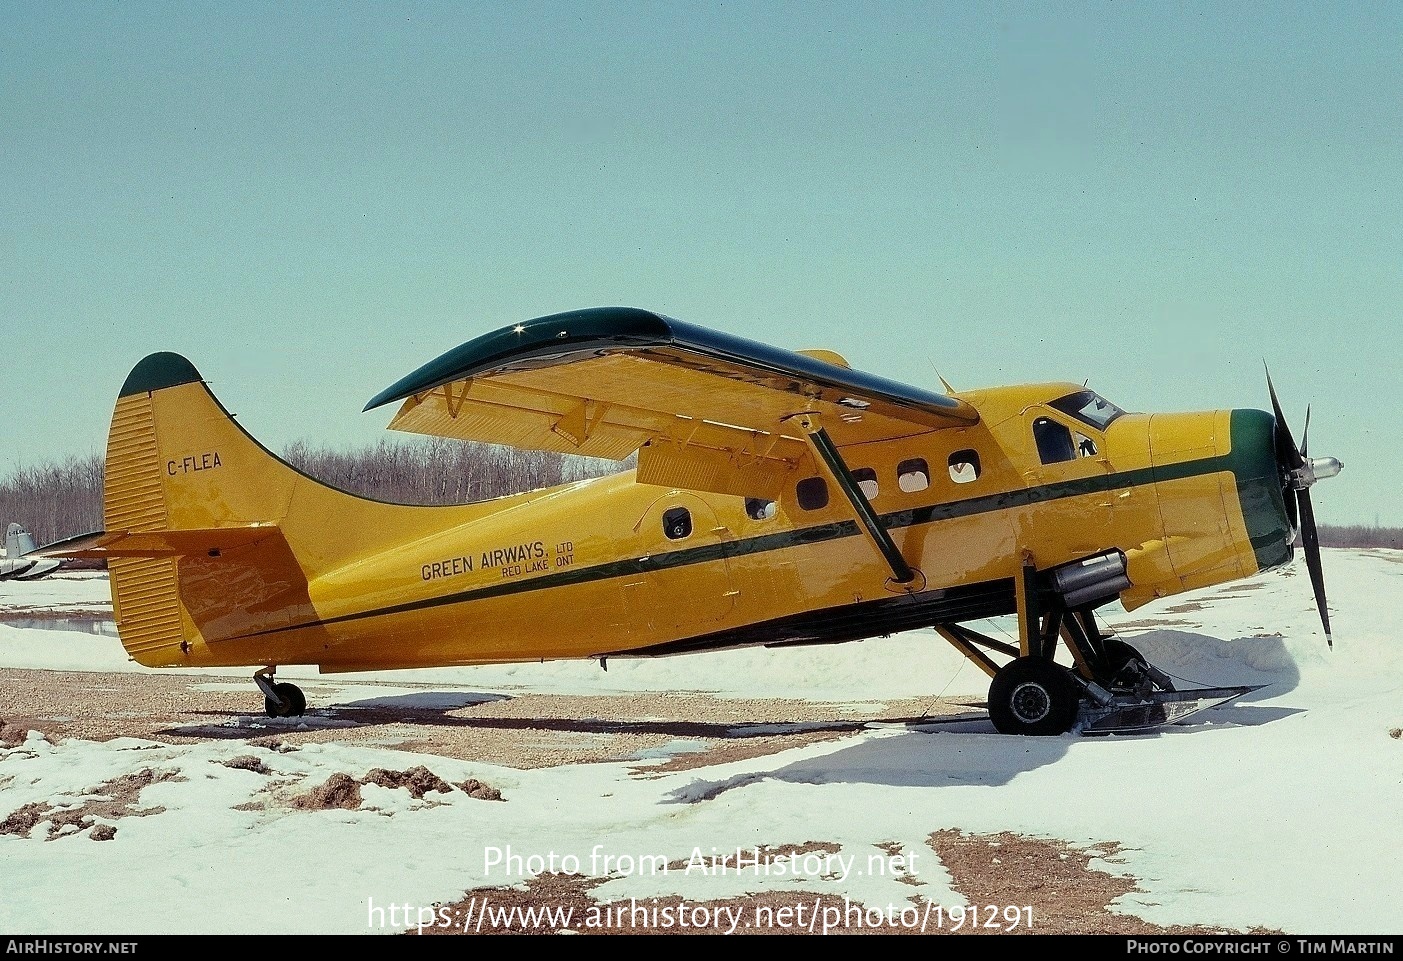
{"x": 1297, "y": 475}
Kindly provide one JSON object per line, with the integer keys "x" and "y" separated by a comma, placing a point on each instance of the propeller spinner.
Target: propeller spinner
{"x": 1298, "y": 475}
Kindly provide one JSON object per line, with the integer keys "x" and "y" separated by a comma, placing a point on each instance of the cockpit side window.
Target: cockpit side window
{"x": 1088, "y": 407}
{"x": 1054, "y": 441}
{"x": 1057, "y": 443}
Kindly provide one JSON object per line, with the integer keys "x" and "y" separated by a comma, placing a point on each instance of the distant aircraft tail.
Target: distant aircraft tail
{"x": 17, "y": 563}
{"x": 18, "y": 541}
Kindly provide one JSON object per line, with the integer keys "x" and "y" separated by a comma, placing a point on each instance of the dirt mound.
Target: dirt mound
{"x": 343, "y": 791}
{"x": 247, "y": 762}
{"x": 340, "y": 791}
{"x": 472, "y": 787}
{"x": 418, "y": 781}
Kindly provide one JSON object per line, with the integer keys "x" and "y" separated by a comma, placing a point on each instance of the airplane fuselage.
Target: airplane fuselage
{"x": 610, "y": 567}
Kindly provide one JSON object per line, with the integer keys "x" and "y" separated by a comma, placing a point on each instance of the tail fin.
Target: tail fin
{"x": 18, "y": 541}
{"x": 20, "y": 561}
{"x": 177, "y": 462}
{"x": 214, "y": 544}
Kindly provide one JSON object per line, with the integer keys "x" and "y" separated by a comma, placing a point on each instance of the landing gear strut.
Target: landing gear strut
{"x": 1109, "y": 688}
{"x": 280, "y": 699}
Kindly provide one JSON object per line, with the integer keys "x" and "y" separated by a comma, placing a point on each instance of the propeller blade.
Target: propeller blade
{"x": 1286, "y": 451}
{"x": 1311, "y": 542}
{"x": 1299, "y": 511}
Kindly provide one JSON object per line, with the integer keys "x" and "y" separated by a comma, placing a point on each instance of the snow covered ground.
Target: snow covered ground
{"x": 1280, "y": 810}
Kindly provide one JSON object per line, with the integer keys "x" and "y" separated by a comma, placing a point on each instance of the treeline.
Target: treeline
{"x": 64, "y": 498}
{"x": 1360, "y": 535}
{"x": 54, "y": 500}
{"x": 440, "y": 471}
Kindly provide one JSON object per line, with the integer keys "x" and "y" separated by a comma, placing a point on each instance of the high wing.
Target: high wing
{"x": 704, "y": 410}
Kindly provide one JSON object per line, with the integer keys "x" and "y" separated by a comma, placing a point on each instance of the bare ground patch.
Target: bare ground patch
{"x": 1052, "y": 879}
{"x": 1055, "y": 879}
{"x": 418, "y": 781}
{"x": 109, "y": 801}
{"x": 247, "y": 762}
{"x": 520, "y": 731}
{"x": 724, "y": 752}
{"x": 1147, "y": 624}
{"x": 729, "y": 861}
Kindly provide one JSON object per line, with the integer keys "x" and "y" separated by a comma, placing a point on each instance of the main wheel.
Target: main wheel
{"x": 293, "y": 703}
{"x": 1033, "y": 696}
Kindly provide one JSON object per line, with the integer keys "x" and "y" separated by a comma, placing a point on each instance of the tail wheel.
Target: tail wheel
{"x": 1033, "y": 696}
{"x": 290, "y": 702}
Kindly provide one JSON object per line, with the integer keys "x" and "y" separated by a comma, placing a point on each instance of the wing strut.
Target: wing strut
{"x": 828, "y": 454}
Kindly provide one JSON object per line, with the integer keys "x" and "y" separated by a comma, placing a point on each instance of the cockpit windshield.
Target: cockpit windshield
{"x": 1088, "y": 407}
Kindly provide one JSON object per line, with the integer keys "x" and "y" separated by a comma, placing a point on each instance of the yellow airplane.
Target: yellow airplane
{"x": 780, "y": 498}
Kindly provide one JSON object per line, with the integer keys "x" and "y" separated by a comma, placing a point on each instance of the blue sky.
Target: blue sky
{"x": 309, "y": 200}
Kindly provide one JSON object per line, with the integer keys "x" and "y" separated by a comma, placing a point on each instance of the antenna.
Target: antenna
{"x": 943, "y": 382}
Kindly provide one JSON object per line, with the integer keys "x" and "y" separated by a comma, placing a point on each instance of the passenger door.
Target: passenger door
{"x": 684, "y": 584}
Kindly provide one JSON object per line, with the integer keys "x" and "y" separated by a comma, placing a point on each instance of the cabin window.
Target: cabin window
{"x": 677, "y": 523}
{"x": 1054, "y": 441}
{"x": 913, "y": 475}
{"x": 759, "y": 510}
{"x": 964, "y": 466}
{"x": 866, "y": 478}
{"x": 812, "y": 493}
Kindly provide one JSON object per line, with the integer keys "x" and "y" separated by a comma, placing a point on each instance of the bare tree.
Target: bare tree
{"x": 56, "y": 499}
{"x": 440, "y": 471}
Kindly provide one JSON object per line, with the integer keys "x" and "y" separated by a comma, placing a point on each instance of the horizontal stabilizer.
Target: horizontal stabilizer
{"x": 171, "y": 543}
{"x": 36, "y": 570}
